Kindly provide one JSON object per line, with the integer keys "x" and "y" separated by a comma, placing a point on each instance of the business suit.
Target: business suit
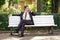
{"x": 23, "y": 22}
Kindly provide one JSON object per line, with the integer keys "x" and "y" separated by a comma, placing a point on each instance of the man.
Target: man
{"x": 26, "y": 19}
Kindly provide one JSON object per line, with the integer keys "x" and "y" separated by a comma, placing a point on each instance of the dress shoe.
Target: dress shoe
{"x": 21, "y": 35}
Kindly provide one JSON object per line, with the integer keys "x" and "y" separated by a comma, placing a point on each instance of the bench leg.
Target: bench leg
{"x": 51, "y": 30}
{"x": 11, "y": 32}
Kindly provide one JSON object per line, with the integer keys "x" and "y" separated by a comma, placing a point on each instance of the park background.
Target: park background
{"x": 40, "y": 7}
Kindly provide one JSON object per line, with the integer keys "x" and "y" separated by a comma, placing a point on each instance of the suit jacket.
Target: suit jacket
{"x": 21, "y": 14}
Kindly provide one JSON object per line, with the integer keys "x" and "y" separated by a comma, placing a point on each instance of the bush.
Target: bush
{"x": 57, "y": 19}
{"x": 2, "y": 2}
{"x": 3, "y": 21}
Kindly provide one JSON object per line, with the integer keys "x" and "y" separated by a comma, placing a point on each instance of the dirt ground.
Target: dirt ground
{"x": 7, "y": 36}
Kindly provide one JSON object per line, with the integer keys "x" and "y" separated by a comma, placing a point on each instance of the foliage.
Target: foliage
{"x": 47, "y": 6}
{"x": 57, "y": 19}
{"x": 2, "y": 2}
{"x": 47, "y": 10}
{"x": 15, "y": 1}
{"x": 3, "y": 21}
{"x": 10, "y": 10}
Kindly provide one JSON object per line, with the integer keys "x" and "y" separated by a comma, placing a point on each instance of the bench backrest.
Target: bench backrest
{"x": 39, "y": 20}
{"x": 44, "y": 20}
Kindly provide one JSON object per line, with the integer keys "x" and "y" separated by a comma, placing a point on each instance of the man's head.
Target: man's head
{"x": 26, "y": 8}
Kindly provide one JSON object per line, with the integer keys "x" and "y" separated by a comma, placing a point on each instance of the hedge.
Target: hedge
{"x": 3, "y": 21}
{"x": 57, "y": 19}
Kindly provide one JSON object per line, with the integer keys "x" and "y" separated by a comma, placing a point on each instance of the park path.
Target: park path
{"x": 7, "y": 36}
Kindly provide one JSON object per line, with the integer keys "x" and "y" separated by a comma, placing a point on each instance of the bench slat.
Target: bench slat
{"x": 39, "y": 20}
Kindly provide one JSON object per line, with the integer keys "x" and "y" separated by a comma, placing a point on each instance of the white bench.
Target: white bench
{"x": 39, "y": 21}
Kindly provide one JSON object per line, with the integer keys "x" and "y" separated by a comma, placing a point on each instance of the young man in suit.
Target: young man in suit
{"x": 26, "y": 19}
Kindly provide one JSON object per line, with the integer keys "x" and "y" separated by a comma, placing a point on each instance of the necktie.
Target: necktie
{"x": 25, "y": 15}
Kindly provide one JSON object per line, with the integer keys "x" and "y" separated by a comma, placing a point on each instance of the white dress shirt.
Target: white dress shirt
{"x": 27, "y": 16}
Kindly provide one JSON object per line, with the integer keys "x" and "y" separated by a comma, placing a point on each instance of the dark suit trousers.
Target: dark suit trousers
{"x": 22, "y": 24}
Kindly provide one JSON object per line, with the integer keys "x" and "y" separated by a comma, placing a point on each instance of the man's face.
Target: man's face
{"x": 27, "y": 9}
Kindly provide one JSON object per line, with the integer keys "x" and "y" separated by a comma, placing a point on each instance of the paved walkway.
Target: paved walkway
{"x": 7, "y": 36}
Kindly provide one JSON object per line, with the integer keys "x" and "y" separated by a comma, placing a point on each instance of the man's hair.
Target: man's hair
{"x": 25, "y": 6}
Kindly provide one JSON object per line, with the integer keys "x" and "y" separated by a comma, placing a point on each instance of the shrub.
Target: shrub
{"x": 3, "y": 21}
